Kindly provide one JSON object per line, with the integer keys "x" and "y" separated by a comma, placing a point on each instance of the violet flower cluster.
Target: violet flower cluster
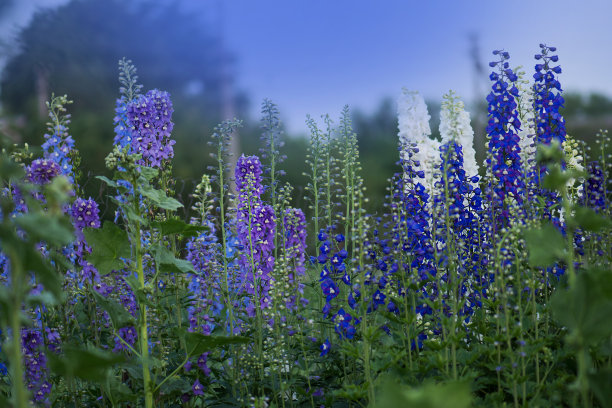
{"x": 548, "y": 99}
{"x": 42, "y": 171}
{"x": 256, "y": 226}
{"x": 57, "y": 147}
{"x": 504, "y": 160}
{"x": 35, "y": 364}
{"x": 150, "y": 120}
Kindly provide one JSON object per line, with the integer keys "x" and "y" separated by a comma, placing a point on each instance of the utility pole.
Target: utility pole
{"x": 228, "y": 107}
{"x": 479, "y": 79}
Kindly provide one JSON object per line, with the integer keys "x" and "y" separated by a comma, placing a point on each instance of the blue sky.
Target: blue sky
{"x": 314, "y": 56}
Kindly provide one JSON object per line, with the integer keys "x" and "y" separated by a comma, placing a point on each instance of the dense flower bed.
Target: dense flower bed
{"x": 478, "y": 283}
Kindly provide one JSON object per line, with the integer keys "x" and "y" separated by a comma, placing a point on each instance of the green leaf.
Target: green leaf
{"x": 108, "y": 181}
{"x": 546, "y": 245}
{"x": 556, "y": 178}
{"x": 551, "y": 153}
{"x": 43, "y": 227}
{"x": 586, "y": 309}
{"x": 159, "y": 198}
{"x": 589, "y": 220}
{"x": 175, "y": 384}
{"x": 109, "y": 244}
{"x": 90, "y": 364}
{"x": 197, "y": 343}
{"x": 148, "y": 173}
{"x": 450, "y": 395}
{"x": 9, "y": 170}
{"x": 118, "y": 391}
{"x": 600, "y": 384}
{"x": 174, "y": 226}
{"x": 168, "y": 263}
{"x": 119, "y": 316}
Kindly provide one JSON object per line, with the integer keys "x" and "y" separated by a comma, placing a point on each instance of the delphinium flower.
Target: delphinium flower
{"x": 129, "y": 90}
{"x": 506, "y": 186}
{"x": 411, "y": 230}
{"x": 547, "y": 97}
{"x": 325, "y": 347}
{"x": 3, "y": 369}
{"x": 413, "y": 120}
{"x": 42, "y": 171}
{"x": 594, "y": 191}
{"x": 550, "y": 124}
{"x": 122, "y": 290}
{"x": 85, "y": 214}
{"x": 59, "y": 145}
{"x": 455, "y": 126}
{"x": 458, "y": 209}
{"x": 331, "y": 260}
{"x": 35, "y": 364}
{"x": 294, "y": 227}
{"x": 205, "y": 283}
{"x": 150, "y": 120}
{"x": 256, "y": 225}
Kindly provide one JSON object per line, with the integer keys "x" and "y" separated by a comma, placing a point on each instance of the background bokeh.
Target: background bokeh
{"x": 219, "y": 59}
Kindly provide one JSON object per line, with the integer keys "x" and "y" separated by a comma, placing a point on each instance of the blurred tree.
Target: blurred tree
{"x": 74, "y": 50}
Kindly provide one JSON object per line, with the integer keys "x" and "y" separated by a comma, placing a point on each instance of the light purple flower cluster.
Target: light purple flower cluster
{"x": 256, "y": 225}
{"x": 150, "y": 120}
{"x": 42, "y": 171}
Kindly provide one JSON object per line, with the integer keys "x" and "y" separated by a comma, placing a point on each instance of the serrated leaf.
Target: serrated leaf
{"x": 148, "y": 173}
{"x": 108, "y": 181}
{"x": 169, "y": 263}
{"x": 586, "y": 308}
{"x": 159, "y": 198}
{"x": 175, "y": 384}
{"x": 109, "y": 244}
{"x": 174, "y": 226}
{"x": 119, "y": 316}
{"x": 197, "y": 343}
{"x": 88, "y": 364}
{"x": 546, "y": 245}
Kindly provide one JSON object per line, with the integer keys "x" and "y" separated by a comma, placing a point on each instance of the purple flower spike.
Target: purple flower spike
{"x": 150, "y": 120}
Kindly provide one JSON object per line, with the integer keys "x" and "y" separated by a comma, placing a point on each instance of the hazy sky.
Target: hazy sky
{"x": 314, "y": 56}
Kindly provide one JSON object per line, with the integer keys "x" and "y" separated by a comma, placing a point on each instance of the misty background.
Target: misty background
{"x": 219, "y": 59}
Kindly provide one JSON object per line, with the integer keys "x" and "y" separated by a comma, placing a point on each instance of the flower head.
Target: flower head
{"x": 42, "y": 171}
